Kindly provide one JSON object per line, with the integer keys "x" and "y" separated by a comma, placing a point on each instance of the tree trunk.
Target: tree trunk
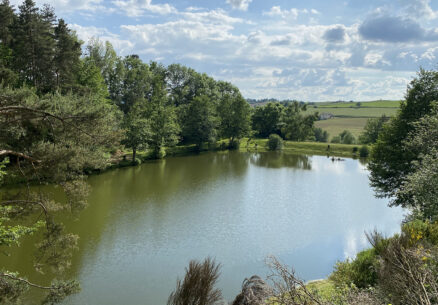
{"x": 134, "y": 153}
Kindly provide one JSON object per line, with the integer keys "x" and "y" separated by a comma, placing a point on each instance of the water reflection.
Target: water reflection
{"x": 279, "y": 159}
{"x": 145, "y": 223}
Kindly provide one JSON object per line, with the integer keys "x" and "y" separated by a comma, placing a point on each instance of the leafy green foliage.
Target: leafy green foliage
{"x": 199, "y": 121}
{"x": 234, "y": 113}
{"x": 364, "y": 151}
{"x": 275, "y": 142}
{"x": 391, "y": 159}
{"x": 360, "y": 271}
{"x": 295, "y": 126}
{"x": 321, "y": 135}
{"x": 372, "y": 129}
{"x": 266, "y": 119}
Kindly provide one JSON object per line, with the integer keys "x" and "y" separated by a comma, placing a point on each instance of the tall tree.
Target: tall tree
{"x": 67, "y": 56}
{"x": 295, "y": 125}
{"x": 391, "y": 161}
{"x": 136, "y": 82}
{"x": 372, "y": 129}
{"x": 266, "y": 119}
{"x": 234, "y": 115}
{"x": 199, "y": 121}
{"x": 7, "y": 17}
{"x": 163, "y": 120}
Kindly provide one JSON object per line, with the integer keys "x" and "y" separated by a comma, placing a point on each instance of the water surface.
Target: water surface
{"x": 144, "y": 224}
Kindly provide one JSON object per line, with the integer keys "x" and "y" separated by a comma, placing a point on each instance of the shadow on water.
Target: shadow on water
{"x": 279, "y": 159}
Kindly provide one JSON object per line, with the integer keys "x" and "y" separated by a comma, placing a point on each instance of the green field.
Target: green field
{"x": 362, "y": 112}
{"x": 351, "y": 115}
{"x": 371, "y": 104}
{"x": 337, "y": 125}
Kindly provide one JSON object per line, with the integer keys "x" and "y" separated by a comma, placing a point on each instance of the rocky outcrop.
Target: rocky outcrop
{"x": 255, "y": 291}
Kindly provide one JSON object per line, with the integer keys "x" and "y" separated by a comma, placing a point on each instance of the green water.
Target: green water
{"x": 143, "y": 224}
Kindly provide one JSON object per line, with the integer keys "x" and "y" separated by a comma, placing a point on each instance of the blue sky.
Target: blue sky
{"x": 313, "y": 50}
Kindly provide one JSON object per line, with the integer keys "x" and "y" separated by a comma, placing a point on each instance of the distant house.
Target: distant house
{"x": 325, "y": 116}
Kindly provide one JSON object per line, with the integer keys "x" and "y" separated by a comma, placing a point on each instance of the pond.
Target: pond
{"x": 144, "y": 224}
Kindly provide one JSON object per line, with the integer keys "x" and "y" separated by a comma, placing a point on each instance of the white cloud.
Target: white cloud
{"x": 124, "y": 47}
{"x": 239, "y": 4}
{"x": 419, "y": 9}
{"x": 135, "y": 8}
{"x": 69, "y": 6}
{"x": 292, "y": 13}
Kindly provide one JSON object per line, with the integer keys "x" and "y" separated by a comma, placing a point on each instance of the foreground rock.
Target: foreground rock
{"x": 255, "y": 291}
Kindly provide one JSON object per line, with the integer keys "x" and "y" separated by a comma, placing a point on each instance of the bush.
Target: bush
{"x": 198, "y": 286}
{"x": 362, "y": 271}
{"x": 355, "y": 149}
{"x": 275, "y": 142}
{"x": 364, "y": 151}
{"x": 347, "y": 137}
{"x": 234, "y": 144}
{"x": 336, "y": 139}
{"x": 321, "y": 135}
{"x": 137, "y": 161}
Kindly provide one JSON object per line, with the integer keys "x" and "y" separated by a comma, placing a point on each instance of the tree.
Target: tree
{"x": 199, "y": 121}
{"x": 372, "y": 129}
{"x": 295, "y": 126}
{"x": 419, "y": 191}
{"x": 67, "y": 57}
{"x": 266, "y": 119}
{"x": 321, "y": 135}
{"x": 33, "y": 45}
{"x": 164, "y": 128}
{"x": 49, "y": 139}
{"x": 391, "y": 161}
{"x": 137, "y": 130}
{"x": 235, "y": 114}
{"x": 347, "y": 137}
{"x": 136, "y": 82}
{"x": 7, "y": 17}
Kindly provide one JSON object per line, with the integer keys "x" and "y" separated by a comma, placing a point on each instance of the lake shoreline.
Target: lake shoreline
{"x": 246, "y": 145}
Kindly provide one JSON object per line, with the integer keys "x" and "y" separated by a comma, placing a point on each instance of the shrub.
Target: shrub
{"x": 197, "y": 288}
{"x": 364, "y": 151}
{"x": 137, "y": 161}
{"x": 234, "y": 144}
{"x": 275, "y": 142}
{"x": 321, "y": 135}
{"x": 336, "y": 139}
{"x": 355, "y": 149}
{"x": 347, "y": 137}
{"x": 362, "y": 271}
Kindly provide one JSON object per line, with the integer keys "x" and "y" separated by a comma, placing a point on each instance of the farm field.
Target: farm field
{"x": 351, "y": 115}
{"x": 337, "y": 125}
{"x": 371, "y": 104}
{"x": 362, "y": 112}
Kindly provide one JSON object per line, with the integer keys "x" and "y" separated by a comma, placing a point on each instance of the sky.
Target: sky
{"x": 313, "y": 50}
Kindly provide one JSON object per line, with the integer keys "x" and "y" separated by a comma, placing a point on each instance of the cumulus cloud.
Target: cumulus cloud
{"x": 419, "y": 9}
{"x": 239, "y": 4}
{"x": 85, "y": 33}
{"x": 69, "y": 6}
{"x": 336, "y": 34}
{"x": 395, "y": 29}
{"x": 292, "y": 13}
{"x": 135, "y": 8}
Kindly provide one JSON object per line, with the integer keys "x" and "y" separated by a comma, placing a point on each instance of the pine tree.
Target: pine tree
{"x": 67, "y": 56}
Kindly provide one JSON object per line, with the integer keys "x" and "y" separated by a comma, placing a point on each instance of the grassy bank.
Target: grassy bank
{"x": 124, "y": 158}
{"x": 309, "y": 148}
